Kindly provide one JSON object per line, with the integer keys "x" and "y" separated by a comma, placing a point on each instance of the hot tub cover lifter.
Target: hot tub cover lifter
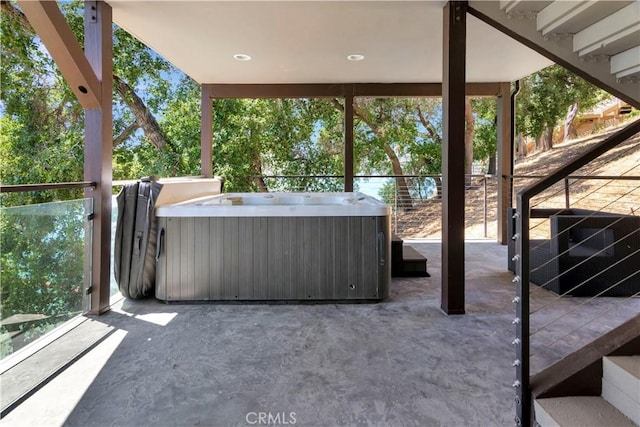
{"x": 135, "y": 240}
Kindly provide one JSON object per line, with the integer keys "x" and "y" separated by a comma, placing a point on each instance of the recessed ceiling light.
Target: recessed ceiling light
{"x": 355, "y": 57}
{"x": 242, "y": 57}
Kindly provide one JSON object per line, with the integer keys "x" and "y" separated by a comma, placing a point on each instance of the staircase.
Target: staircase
{"x": 406, "y": 261}
{"x": 598, "y": 40}
{"x": 618, "y": 404}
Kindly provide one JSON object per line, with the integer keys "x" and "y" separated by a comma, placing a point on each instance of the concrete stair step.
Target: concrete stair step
{"x": 579, "y": 411}
{"x": 621, "y": 384}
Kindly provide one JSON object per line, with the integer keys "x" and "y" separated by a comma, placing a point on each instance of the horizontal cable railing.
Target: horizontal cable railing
{"x": 576, "y": 233}
{"x": 415, "y": 200}
{"x": 589, "y": 250}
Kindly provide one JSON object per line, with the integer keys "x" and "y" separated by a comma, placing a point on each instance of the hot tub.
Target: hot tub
{"x": 274, "y": 246}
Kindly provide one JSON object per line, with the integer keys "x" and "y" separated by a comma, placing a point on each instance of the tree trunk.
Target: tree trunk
{"x": 569, "y": 128}
{"x": 491, "y": 168}
{"x": 404, "y": 200}
{"x": 262, "y": 186}
{"x": 468, "y": 140}
{"x": 8, "y": 8}
{"x": 522, "y": 146}
{"x": 258, "y": 178}
{"x": 438, "y": 181}
{"x": 143, "y": 116}
{"x": 545, "y": 141}
{"x": 256, "y": 163}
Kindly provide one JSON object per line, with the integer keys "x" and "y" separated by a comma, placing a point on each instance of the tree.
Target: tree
{"x": 485, "y": 140}
{"x": 388, "y": 126}
{"x": 545, "y": 98}
{"x": 41, "y": 125}
{"x": 396, "y": 135}
{"x": 469, "y": 129}
{"x": 42, "y": 122}
{"x": 253, "y": 138}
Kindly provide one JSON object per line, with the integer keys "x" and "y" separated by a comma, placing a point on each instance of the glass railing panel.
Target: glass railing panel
{"x": 45, "y": 267}
{"x": 113, "y": 285}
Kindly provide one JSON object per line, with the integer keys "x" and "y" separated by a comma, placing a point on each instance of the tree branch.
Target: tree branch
{"x": 16, "y": 14}
{"x": 358, "y": 112}
{"x": 143, "y": 116}
{"x": 431, "y": 130}
{"x": 337, "y": 104}
{"x": 257, "y": 170}
{"x": 363, "y": 116}
{"x": 126, "y": 133}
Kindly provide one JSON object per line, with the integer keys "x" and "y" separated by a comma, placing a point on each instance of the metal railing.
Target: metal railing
{"x": 21, "y": 188}
{"x": 576, "y": 235}
{"x": 415, "y": 199}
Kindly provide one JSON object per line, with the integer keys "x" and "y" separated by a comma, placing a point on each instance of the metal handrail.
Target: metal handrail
{"x": 596, "y": 177}
{"x": 471, "y": 175}
{"x": 522, "y": 216}
{"x": 21, "y": 188}
{"x": 370, "y": 176}
{"x": 296, "y": 176}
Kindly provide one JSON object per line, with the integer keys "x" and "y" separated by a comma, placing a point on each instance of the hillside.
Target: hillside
{"x": 424, "y": 221}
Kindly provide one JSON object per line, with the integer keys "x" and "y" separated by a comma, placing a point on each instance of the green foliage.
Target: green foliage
{"x": 180, "y": 122}
{"x": 485, "y": 141}
{"x": 42, "y": 264}
{"x": 42, "y": 132}
{"x": 42, "y": 123}
{"x": 43, "y": 251}
{"x": 546, "y": 95}
{"x": 387, "y": 192}
{"x": 276, "y": 137}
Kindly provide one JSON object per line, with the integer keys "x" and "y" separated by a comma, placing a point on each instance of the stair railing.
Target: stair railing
{"x": 523, "y": 215}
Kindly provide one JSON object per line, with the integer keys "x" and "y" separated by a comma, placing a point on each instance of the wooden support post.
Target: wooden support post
{"x": 348, "y": 139}
{"x": 453, "y": 186}
{"x": 98, "y": 148}
{"x": 505, "y": 160}
{"x": 206, "y": 133}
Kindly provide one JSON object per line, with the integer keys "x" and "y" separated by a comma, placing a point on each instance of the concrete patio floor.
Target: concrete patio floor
{"x": 399, "y": 362}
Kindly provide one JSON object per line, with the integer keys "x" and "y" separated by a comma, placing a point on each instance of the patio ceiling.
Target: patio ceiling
{"x": 308, "y": 41}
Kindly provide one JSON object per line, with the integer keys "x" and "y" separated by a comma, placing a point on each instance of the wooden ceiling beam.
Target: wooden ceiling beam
{"x": 338, "y": 90}
{"x": 51, "y": 26}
